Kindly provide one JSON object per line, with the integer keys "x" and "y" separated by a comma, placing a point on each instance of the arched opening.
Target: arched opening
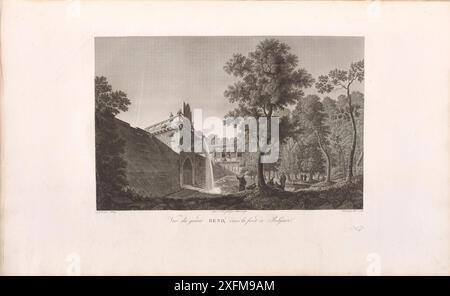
{"x": 187, "y": 172}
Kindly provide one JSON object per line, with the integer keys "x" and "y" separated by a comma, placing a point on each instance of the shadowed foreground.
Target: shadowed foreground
{"x": 335, "y": 196}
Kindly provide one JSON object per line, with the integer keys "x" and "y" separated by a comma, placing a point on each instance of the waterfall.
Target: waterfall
{"x": 209, "y": 173}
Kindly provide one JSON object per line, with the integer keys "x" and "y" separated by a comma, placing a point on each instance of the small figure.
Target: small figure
{"x": 271, "y": 183}
{"x": 282, "y": 180}
{"x": 242, "y": 183}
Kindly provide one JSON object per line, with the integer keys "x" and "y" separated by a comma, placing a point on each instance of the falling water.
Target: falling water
{"x": 209, "y": 173}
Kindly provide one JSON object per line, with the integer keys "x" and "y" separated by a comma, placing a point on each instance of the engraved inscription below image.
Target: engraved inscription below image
{"x": 229, "y": 123}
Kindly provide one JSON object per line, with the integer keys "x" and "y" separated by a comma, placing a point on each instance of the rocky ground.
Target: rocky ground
{"x": 339, "y": 195}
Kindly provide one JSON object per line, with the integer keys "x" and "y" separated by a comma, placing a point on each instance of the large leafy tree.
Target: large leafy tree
{"x": 344, "y": 79}
{"x": 311, "y": 117}
{"x": 110, "y": 166}
{"x": 268, "y": 80}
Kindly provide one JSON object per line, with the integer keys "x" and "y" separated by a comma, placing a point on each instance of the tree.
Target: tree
{"x": 310, "y": 115}
{"x": 268, "y": 80}
{"x": 288, "y": 157}
{"x": 340, "y": 133}
{"x": 341, "y": 79}
{"x": 108, "y": 101}
{"x": 311, "y": 160}
{"x": 358, "y": 103}
{"x": 110, "y": 166}
{"x": 248, "y": 164}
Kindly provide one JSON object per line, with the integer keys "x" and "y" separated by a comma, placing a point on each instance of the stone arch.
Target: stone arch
{"x": 187, "y": 172}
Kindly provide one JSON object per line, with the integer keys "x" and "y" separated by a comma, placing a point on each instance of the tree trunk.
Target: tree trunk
{"x": 352, "y": 151}
{"x": 342, "y": 161}
{"x": 260, "y": 172}
{"x": 260, "y": 167}
{"x": 360, "y": 158}
{"x": 328, "y": 175}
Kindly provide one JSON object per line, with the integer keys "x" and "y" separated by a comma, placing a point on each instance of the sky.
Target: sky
{"x": 159, "y": 73}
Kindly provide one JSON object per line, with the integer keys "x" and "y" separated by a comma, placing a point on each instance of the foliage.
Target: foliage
{"x": 333, "y": 123}
{"x": 108, "y": 101}
{"x": 268, "y": 80}
{"x": 110, "y": 166}
{"x": 311, "y": 160}
{"x": 289, "y": 156}
{"x": 310, "y": 116}
{"x": 341, "y": 79}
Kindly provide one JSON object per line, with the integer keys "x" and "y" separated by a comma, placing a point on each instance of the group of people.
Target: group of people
{"x": 281, "y": 185}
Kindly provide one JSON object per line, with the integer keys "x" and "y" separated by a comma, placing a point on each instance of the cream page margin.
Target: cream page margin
{"x": 48, "y": 218}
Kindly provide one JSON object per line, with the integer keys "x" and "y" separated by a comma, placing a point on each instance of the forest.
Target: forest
{"x": 321, "y": 136}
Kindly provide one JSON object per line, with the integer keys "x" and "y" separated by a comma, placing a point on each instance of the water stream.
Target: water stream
{"x": 209, "y": 172}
